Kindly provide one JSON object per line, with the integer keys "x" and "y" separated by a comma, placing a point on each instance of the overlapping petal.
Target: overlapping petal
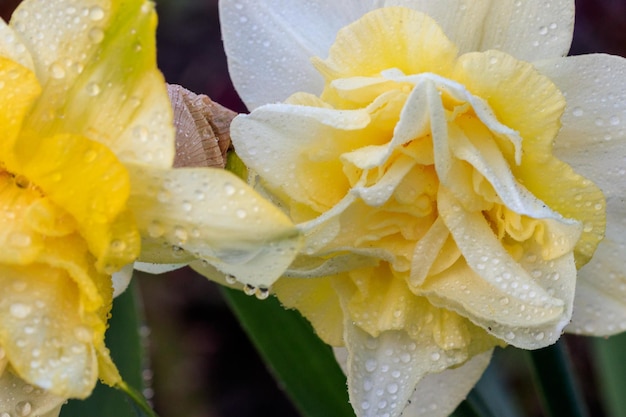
{"x": 269, "y": 44}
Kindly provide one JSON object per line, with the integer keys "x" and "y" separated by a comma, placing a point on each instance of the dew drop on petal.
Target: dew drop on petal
{"x": 19, "y": 310}
{"x": 23, "y": 408}
{"x": 96, "y": 13}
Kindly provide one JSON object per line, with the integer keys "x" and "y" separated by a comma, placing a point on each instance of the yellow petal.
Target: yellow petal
{"x": 211, "y": 214}
{"x": 18, "y": 92}
{"x": 49, "y": 343}
{"x": 86, "y": 179}
{"x": 392, "y": 37}
{"x": 530, "y": 103}
{"x": 97, "y": 63}
{"x": 315, "y": 299}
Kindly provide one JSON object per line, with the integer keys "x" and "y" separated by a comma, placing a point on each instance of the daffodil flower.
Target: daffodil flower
{"x": 452, "y": 172}
{"x": 87, "y": 187}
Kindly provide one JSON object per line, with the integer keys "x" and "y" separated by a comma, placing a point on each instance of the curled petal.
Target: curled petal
{"x": 211, "y": 214}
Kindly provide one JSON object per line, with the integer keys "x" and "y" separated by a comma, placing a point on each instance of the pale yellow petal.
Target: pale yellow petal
{"x": 210, "y": 214}
{"x": 13, "y": 48}
{"x": 97, "y": 63}
{"x": 18, "y": 396}
{"x": 315, "y": 299}
{"x": 54, "y": 354}
{"x": 391, "y": 37}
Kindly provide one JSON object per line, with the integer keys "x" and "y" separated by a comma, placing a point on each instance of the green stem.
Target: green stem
{"x": 559, "y": 392}
{"x": 138, "y": 399}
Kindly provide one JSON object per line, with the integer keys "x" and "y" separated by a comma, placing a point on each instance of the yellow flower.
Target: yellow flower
{"x": 423, "y": 161}
{"x": 86, "y": 187}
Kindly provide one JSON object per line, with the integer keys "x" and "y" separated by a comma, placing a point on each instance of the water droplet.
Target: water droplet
{"x": 229, "y": 189}
{"x": 577, "y": 112}
{"x": 540, "y": 336}
{"x": 23, "y": 408}
{"x": 20, "y": 240}
{"x": 96, "y": 35}
{"x": 614, "y": 120}
{"x": 96, "y": 13}
{"x": 262, "y": 293}
{"x": 231, "y": 279}
{"x": 392, "y": 388}
{"x": 83, "y": 334}
{"x": 93, "y": 89}
{"x": 364, "y": 406}
{"x": 19, "y": 310}
{"x": 435, "y": 356}
{"x": 57, "y": 71}
{"x": 155, "y": 229}
{"x": 118, "y": 245}
{"x": 241, "y": 213}
{"x": 543, "y": 30}
{"x": 504, "y": 300}
{"x": 249, "y": 289}
{"x": 89, "y": 156}
{"x": 371, "y": 365}
{"x": 180, "y": 233}
{"x": 187, "y": 206}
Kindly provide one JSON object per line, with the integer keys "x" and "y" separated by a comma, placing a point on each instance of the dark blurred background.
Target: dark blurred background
{"x": 202, "y": 365}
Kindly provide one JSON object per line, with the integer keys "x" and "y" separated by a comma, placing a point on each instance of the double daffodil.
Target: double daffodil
{"x": 452, "y": 173}
{"x": 87, "y": 187}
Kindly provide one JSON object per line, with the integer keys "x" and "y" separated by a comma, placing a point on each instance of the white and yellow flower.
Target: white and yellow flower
{"x": 452, "y": 172}
{"x": 86, "y": 187}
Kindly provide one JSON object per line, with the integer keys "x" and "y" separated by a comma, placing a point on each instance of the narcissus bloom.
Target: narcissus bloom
{"x": 86, "y": 187}
{"x": 452, "y": 173}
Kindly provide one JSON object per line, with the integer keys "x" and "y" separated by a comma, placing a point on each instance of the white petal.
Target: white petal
{"x": 211, "y": 214}
{"x": 439, "y": 394}
{"x": 593, "y": 136}
{"x": 12, "y": 48}
{"x": 121, "y": 279}
{"x": 270, "y": 44}
{"x": 383, "y": 371}
{"x": 152, "y": 268}
{"x": 528, "y": 29}
{"x": 593, "y": 140}
{"x": 25, "y": 399}
{"x": 600, "y": 303}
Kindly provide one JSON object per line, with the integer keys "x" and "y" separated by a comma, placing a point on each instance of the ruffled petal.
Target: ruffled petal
{"x": 48, "y": 343}
{"x": 286, "y": 135}
{"x": 23, "y": 399}
{"x": 526, "y": 302}
{"x": 65, "y": 168}
{"x": 439, "y": 394}
{"x": 99, "y": 55}
{"x": 211, "y": 214}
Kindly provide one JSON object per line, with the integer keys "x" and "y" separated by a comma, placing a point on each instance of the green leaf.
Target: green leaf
{"x": 303, "y": 363}
{"x": 556, "y": 382}
{"x": 611, "y": 368}
{"x": 124, "y": 341}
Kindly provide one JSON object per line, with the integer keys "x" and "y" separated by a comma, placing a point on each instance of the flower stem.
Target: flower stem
{"x": 138, "y": 399}
{"x": 556, "y": 382}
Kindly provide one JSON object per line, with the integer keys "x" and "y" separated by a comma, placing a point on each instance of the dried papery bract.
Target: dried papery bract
{"x": 202, "y": 129}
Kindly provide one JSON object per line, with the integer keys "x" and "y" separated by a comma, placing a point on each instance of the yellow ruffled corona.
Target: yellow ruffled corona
{"x": 438, "y": 221}
{"x": 87, "y": 187}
